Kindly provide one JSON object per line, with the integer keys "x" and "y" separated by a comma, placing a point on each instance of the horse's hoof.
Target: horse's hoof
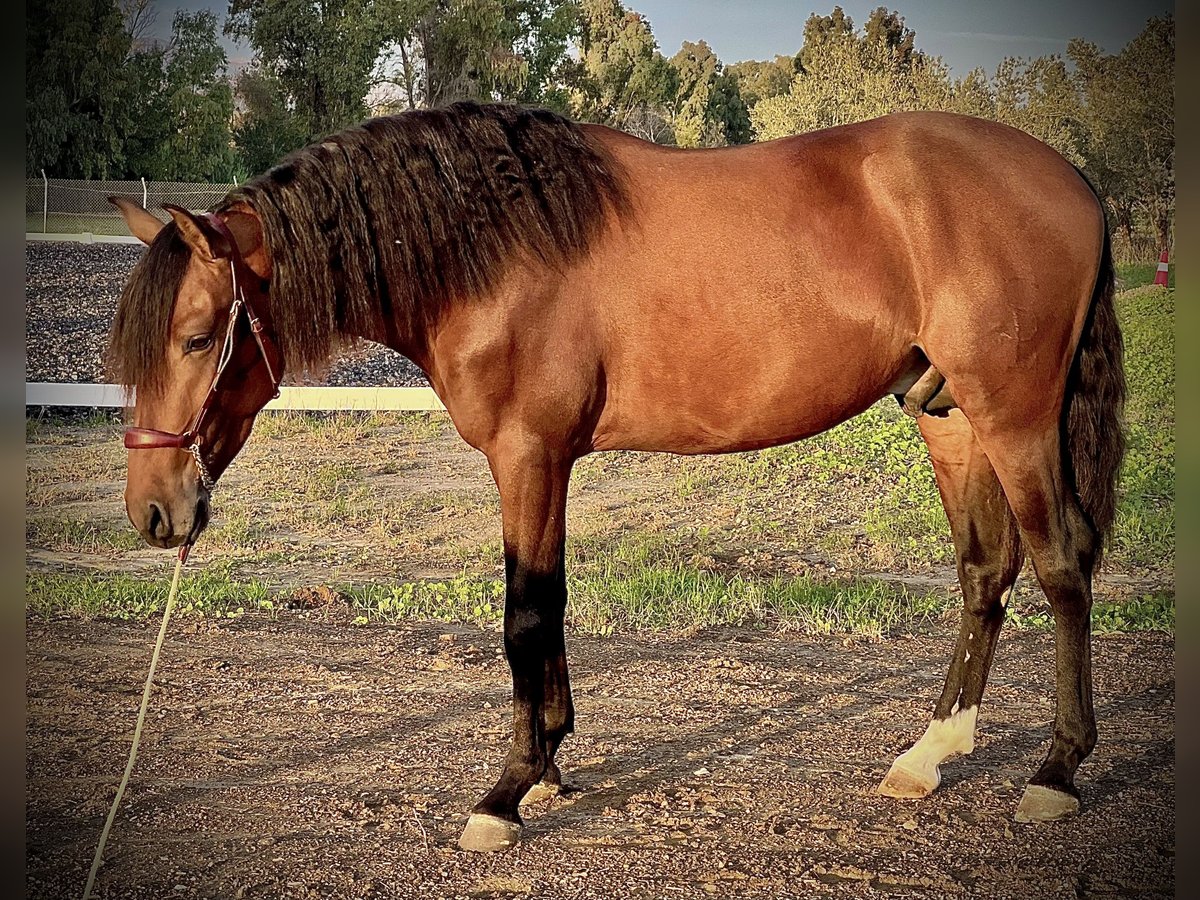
{"x": 905, "y": 784}
{"x": 1045, "y": 804}
{"x": 485, "y": 833}
{"x": 543, "y": 790}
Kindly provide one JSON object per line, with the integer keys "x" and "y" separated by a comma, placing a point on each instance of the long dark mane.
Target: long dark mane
{"x": 386, "y": 224}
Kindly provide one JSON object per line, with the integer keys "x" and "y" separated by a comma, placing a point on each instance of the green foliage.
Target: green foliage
{"x": 1129, "y": 144}
{"x": 639, "y": 586}
{"x": 848, "y": 76}
{"x": 1132, "y": 275}
{"x": 1145, "y": 526}
{"x": 266, "y": 130}
{"x": 77, "y": 88}
{"x": 200, "y": 101}
{"x": 101, "y": 104}
{"x": 763, "y": 79}
{"x": 321, "y": 53}
{"x": 1150, "y": 612}
{"x": 708, "y": 107}
{"x": 622, "y": 79}
{"x": 511, "y": 50}
{"x": 1111, "y": 115}
{"x": 147, "y": 141}
{"x": 1042, "y": 98}
{"x": 462, "y": 599}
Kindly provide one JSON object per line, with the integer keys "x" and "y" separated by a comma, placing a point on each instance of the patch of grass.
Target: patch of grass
{"x": 236, "y": 528}
{"x": 204, "y": 592}
{"x": 1150, "y": 612}
{"x": 681, "y": 597}
{"x": 1144, "y": 532}
{"x": 79, "y": 536}
{"x": 462, "y": 599}
{"x": 75, "y": 223}
{"x": 1134, "y": 275}
{"x": 344, "y": 427}
{"x": 619, "y": 596}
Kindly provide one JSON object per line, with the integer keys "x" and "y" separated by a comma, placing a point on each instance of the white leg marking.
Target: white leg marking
{"x": 915, "y": 772}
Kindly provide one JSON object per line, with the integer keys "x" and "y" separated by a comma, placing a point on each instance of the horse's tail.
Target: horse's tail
{"x": 1095, "y": 399}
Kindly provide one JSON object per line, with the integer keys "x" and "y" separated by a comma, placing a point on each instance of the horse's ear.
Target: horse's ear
{"x": 142, "y": 225}
{"x": 246, "y": 227}
{"x": 196, "y": 233}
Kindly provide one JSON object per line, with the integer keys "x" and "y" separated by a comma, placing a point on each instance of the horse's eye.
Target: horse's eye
{"x": 198, "y": 343}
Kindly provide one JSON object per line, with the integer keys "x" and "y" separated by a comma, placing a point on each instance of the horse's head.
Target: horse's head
{"x": 200, "y": 371}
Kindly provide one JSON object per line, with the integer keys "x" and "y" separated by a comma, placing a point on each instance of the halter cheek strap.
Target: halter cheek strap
{"x": 189, "y": 438}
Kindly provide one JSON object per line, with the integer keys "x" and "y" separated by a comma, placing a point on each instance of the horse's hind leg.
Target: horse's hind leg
{"x": 1064, "y": 547}
{"x": 988, "y": 549}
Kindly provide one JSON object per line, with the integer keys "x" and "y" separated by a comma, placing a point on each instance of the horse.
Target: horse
{"x": 569, "y": 289}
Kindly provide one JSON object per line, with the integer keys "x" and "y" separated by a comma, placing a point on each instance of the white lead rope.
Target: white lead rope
{"x": 141, "y": 720}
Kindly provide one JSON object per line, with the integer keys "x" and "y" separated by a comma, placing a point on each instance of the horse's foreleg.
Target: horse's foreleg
{"x": 533, "y": 497}
{"x": 988, "y": 548}
{"x": 559, "y": 718}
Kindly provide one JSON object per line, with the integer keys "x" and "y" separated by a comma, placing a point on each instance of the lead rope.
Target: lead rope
{"x": 141, "y": 720}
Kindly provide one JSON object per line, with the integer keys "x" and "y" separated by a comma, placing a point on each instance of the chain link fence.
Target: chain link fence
{"x": 70, "y": 206}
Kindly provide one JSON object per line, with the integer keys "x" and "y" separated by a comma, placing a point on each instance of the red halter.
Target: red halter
{"x": 189, "y": 438}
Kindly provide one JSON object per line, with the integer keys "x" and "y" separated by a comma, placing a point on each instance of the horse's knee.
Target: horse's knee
{"x": 983, "y": 585}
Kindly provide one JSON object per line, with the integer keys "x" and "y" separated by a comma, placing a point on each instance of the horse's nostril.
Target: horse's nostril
{"x": 156, "y": 525}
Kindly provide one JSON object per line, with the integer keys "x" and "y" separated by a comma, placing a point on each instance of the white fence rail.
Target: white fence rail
{"x": 365, "y": 399}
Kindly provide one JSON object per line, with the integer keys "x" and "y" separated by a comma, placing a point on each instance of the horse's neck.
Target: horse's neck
{"x": 397, "y": 337}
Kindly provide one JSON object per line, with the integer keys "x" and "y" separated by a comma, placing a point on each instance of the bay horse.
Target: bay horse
{"x": 568, "y": 289}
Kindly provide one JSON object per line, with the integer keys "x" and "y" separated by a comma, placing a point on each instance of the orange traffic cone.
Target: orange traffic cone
{"x": 1160, "y": 277}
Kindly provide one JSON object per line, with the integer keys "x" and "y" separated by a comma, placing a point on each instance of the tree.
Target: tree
{"x": 886, "y": 28}
{"x": 622, "y": 80}
{"x": 708, "y": 108}
{"x": 201, "y": 101}
{"x": 512, "y": 50}
{"x": 264, "y": 129}
{"x": 847, "y": 76}
{"x": 322, "y": 52}
{"x": 972, "y": 95}
{"x": 146, "y": 137}
{"x": 139, "y": 17}
{"x": 1041, "y": 97}
{"x": 1130, "y": 113}
{"x": 822, "y": 33}
{"x": 762, "y": 79}
{"x": 75, "y": 78}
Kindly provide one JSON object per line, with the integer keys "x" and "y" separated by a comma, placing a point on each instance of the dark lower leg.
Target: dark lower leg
{"x": 988, "y": 549}
{"x": 1063, "y": 546}
{"x": 559, "y": 719}
{"x": 533, "y": 493}
{"x": 527, "y": 631}
{"x": 1075, "y": 718}
{"x": 984, "y": 604}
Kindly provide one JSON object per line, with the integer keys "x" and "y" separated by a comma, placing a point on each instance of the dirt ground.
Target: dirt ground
{"x": 290, "y": 757}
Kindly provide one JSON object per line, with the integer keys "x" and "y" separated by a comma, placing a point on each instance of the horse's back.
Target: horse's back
{"x": 760, "y": 294}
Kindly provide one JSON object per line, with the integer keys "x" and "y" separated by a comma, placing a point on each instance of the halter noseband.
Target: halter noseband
{"x": 189, "y": 438}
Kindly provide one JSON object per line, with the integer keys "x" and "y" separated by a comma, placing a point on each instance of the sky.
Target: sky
{"x": 965, "y": 33}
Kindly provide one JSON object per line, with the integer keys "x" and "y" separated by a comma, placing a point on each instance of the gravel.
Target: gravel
{"x": 71, "y": 293}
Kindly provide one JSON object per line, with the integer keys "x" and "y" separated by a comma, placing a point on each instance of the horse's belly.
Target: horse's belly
{"x": 742, "y": 397}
